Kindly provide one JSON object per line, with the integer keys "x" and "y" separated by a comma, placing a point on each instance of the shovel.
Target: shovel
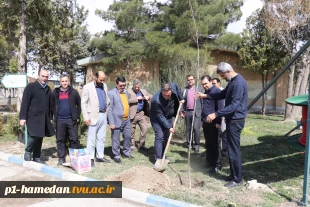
{"x": 160, "y": 164}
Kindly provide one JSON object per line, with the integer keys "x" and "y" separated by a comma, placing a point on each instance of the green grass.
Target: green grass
{"x": 278, "y": 166}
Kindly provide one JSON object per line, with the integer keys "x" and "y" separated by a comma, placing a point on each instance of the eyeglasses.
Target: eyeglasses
{"x": 123, "y": 85}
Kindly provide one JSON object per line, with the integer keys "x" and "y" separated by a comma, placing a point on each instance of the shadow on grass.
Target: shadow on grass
{"x": 271, "y": 163}
{"x": 268, "y": 117}
{"x": 263, "y": 161}
{"x": 50, "y": 152}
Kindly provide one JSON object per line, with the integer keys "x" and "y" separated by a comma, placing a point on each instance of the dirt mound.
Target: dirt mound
{"x": 142, "y": 178}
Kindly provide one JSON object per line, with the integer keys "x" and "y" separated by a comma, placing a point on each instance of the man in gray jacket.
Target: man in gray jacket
{"x": 187, "y": 112}
{"x": 118, "y": 116}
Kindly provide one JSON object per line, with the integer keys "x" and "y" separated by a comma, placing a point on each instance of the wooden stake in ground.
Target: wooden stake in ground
{"x": 198, "y": 68}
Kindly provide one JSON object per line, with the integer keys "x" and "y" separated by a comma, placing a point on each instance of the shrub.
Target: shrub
{"x": 13, "y": 126}
{"x": 82, "y": 127}
{"x": 1, "y": 124}
{"x": 180, "y": 130}
{"x": 13, "y": 108}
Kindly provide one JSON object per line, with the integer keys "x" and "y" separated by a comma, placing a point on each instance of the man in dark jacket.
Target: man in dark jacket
{"x": 66, "y": 108}
{"x": 235, "y": 111}
{"x": 164, "y": 107}
{"x": 210, "y": 130}
{"x": 35, "y": 112}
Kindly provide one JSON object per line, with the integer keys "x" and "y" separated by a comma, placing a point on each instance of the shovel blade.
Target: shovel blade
{"x": 160, "y": 165}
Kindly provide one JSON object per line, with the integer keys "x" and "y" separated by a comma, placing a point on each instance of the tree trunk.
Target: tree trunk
{"x": 21, "y": 58}
{"x": 306, "y": 68}
{"x": 265, "y": 103}
{"x": 264, "y": 96}
{"x": 85, "y": 75}
{"x": 127, "y": 72}
{"x": 72, "y": 78}
{"x": 300, "y": 75}
{"x": 288, "y": 109}
{"x": 296, "y": 110}
{"x": 22, "y": 50}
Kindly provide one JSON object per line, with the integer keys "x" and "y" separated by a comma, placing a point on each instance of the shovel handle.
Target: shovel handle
{"x": 170, "y": 136}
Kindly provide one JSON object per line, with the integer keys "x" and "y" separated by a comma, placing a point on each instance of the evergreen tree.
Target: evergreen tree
{"x": 164, "y": 32}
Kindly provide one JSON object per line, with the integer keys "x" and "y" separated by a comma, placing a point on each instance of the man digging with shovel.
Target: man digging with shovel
{"x": 165, "y": 106}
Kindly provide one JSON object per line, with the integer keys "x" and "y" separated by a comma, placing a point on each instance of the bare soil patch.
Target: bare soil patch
{"x": 143, "y": 178}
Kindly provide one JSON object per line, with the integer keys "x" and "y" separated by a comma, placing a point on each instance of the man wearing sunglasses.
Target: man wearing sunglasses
{"x": 118, "y": 116}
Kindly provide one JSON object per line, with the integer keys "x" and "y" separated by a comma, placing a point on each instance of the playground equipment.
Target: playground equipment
{"x": 303, "y": 102}
{"x": 306, "y": 122}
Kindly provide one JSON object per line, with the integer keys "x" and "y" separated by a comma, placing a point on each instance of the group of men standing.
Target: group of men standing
{"x": 42, "y": 107}
{"x": 123, "y": 109}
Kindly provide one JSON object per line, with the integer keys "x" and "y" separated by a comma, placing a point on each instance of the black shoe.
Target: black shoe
{"x": 117, "y": 160}
{"x": 143, "y": 149}
{"x": 60, "y": 162}
{"x": 232, "y": 184}
{"x": 92, "y": 163}
{"x": 229, "y": 178}
{"x": 224, "y": 153}
{"x": 38, "y": 160}
{"x": 27, "y": 156}
{"x": 102, "y": 160}
{"x": 128, "y": 157}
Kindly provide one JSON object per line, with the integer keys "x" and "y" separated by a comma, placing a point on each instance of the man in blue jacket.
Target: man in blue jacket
{"x": 164, "y": 107}
{"x": 235, "y": 111}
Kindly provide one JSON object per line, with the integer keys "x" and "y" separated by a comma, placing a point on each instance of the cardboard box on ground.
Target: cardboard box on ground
{"x": 80, "y": 160}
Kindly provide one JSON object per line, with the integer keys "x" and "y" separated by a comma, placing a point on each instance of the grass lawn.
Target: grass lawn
{"x": 278, "y": 166}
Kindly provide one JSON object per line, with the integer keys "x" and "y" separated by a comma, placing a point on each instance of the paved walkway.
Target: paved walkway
{"x": 14, "y": 172}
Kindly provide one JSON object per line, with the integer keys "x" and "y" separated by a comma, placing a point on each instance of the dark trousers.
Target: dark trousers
{"x": 161, "y": 139}
{"x": 196, "y": 129}
{"x": 64, "y": 127}
{"x": 221, "y": 136}
{"x": 34, "y": 144}
{"x": 234, "y": 128}
{"x": 212, "y": 144}
{"x": 224, "y": 141}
